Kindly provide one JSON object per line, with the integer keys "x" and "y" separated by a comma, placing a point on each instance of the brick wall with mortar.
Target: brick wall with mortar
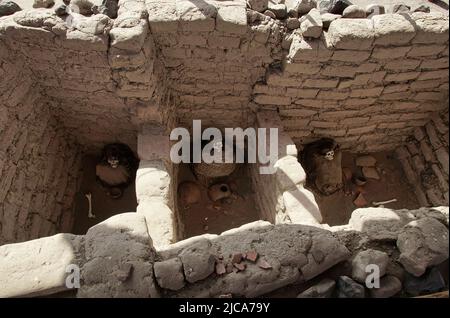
{"x": 424, "y": 158}
{"x": 39, "y": 165}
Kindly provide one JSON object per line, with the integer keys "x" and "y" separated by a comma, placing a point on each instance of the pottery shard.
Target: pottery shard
{"x": 366, "y": 161}
{"x": 422, "y": 243}
{"x": 237, "y": 258}
{"x": 264, "y": 264}
{"x": 198, "y": 261}
{"x": 251, "y": 256}
{"x": 360, "y": 201}
{"x": 370, "y": 173}
{"x": 240, "y": 267}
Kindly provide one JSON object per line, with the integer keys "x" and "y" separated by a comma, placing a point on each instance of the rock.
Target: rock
{"x": 292, "y": 23}
{"x": 198, "y": 261}
{"x": 169, "y": 274}
{"x": 401, "y": 8}
{"x": 61, "y": 10}
{"x": 124, "y": 272}
{"x": 370, "y": 173}
{"x": 389, "y": 286}
{"x": 324, "y": 289}
{"x": 327, "y": 18}
{"x": 109, "y": 245}
{"x": 333, "y": 6}
{"x": 279, "y": 9}
{"x": 107, "y": 7}
{"x": 365, "y": 258}
{"x": 311, "y": 24}
{"x": 366, "y": 161}
{"x": 189, "y": 193}
{"x": 8, "y": 8}
{"x": 38, "y": 267}
{"x": 83, "y": 7}
{"x": 430, "y": 282}
{"x": 354, "y": 12}
{"x": 270, "y": 14}
{"x": 258, "y": 5}
{"x": 232, "y": 20}
{"x": 300, "y": 6}
{"x": 220, "y": 268}
{"x": 422, "y": 8}
{"x": 96, "y": 25}
{"x": 360, "y": 201}
{"x": 43, "y": 3}
{"x": 375, "y": 9}
{"x": 422, "y": 243}
{"x": 348, "y": 288}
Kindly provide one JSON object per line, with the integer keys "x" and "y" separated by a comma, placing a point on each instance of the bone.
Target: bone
{"x": 381, "y": 203}
{"x": 90, "y": 214}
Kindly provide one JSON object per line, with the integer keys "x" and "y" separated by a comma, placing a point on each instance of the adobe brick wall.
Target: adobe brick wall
{"x": 424, "y": 158}
{"x": 39, "y": 164}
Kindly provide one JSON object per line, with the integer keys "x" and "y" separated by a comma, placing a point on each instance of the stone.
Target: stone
{"x": 237, "y": 258}
{"x": 301, "y": 206}
{"x": 258, "y": 5}
{"x": 8, "y": 8}
{"x": 130, "y": 39}
{"x": 169, "y": 274}
{"x": 198, "y": 261}
{"x": 270, "y": 14}
{"x": 422, "y": 8}
{"x": 430, "y": 282}
{"x": 311, "y": 24}
{"x": 348, "y": 288}
{"x": 232, "y": 20}
{"x": 61, "y": 10}
{"x": 334, "y": 6}
{"x": 37, "y": 267}
{"x": 401, "y": 8}
{"x": 43, "y": 3}
{"x": 370, "y": 173}
{"x": 360, "y": 201}
{"x": 324, "y": 289}
{"x": 292, "y": 23}
{"x": 83, "y": 7}
{"x": 109, "y": 245}
{"x": 300, "y": 7}
{"x": 107, "y": 7}
{"x": 354, "y": 12}
{"x": 279, "y": 9}
{"x": 422, "y": 243}
{"x": 327, "y": 18}
{"x": 389, "y": 286}
{"x": 220, "y": 268}
{"x": 365, "y": 161}
{"x": 393, "y": 29}
{"x": 365, "y": 258}
{"x": 374, "y": 9}
{"x": 350, "y": 34}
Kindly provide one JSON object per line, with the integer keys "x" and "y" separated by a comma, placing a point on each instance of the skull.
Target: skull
{"x": 329, "y": 155}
